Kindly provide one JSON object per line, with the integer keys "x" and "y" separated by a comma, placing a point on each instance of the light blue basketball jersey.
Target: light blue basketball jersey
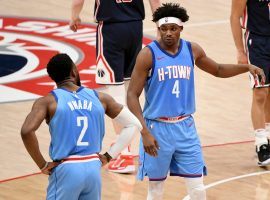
{"x": 77, "y": 127}
{"x": 169, "y": 90}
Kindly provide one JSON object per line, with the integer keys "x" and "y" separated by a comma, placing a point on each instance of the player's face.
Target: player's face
{"x": 170, "y": 33}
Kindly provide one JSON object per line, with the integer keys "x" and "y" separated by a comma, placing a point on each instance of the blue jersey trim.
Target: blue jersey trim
{"x": 153, "y": 62}
{"x": 168, "y": 54}
{"x": 78, "y": 90}
{"x": 55, "y": 96}
{"x": 190, "y": 51}
{"x": 95, "y": 92}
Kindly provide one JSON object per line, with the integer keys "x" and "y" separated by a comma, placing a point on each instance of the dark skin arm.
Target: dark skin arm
{"x": 223, "y": 70}
{"x": 112, "y": 109}
{"x": 136, "y": 85}
{"x": 39, "y": 112}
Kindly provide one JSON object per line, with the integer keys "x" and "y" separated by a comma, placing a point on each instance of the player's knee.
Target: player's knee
{"x": 260, "y": 95}
{"x": 155, "y": 190}
{"x": 196, "y": 188}
{"x": 198, "y": 193}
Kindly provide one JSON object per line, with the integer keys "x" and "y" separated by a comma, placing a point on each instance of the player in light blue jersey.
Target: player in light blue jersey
{"x": 75, "y": 116}
{"x": 165, "y": 69}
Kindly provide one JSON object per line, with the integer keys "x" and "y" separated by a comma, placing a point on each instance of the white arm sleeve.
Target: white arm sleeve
{"x": 130, "y": 125}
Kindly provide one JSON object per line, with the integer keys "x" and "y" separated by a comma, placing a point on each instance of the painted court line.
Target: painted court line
{"x": 206, "y": 146}
{"x": 231, "y": 179}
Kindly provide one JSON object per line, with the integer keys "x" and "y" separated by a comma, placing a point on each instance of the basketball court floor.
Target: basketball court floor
{"x": 222, "y": 116}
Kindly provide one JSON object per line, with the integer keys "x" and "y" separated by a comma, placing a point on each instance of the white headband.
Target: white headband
{"x": 170, "y": 20}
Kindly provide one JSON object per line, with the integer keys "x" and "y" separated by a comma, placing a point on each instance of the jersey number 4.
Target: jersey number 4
{"x": 176, "y": 89}
{"x": 82, "y": 122}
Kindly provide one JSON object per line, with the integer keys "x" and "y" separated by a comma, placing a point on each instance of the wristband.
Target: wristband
{"x": 45, "y": 166}
{"x": 108, "y": 156}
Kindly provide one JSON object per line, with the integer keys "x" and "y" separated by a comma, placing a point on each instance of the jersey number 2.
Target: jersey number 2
{"x": 82, "y": 121}
{"x": 176, "y": 89}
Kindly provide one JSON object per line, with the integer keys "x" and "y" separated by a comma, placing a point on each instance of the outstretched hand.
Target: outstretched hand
{"x": 257, "y": 73}
{"x": 150, "y": 144}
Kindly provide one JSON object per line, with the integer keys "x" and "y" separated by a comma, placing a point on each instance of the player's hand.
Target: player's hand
{"x": 47, "y": 169}
{"x": 257, "y": 73}
{"x": 74, "y": 24}
{"x": 149, "y": 143}
{"x": 103, "y": 159}
{"x": 242, "y": 57}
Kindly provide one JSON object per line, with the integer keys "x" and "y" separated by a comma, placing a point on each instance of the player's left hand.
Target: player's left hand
{"x": 49, "y": 167}
{"x": 257, "y": 73}
{"x": 103, "y": 159}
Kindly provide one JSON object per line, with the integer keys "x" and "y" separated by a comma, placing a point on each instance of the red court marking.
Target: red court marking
{"x": 206, "y": 146}
{"x": 19, "y": 177}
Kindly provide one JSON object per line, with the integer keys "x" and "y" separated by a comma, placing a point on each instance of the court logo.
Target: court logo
{"x": 26, "y": 45}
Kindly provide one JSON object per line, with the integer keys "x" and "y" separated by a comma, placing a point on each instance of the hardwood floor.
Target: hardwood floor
{"x": 222, "y": 116}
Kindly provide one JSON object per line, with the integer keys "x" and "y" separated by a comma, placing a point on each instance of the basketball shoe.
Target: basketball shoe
{"x": 123, "y": 164}
{"x": 263, "y": 153}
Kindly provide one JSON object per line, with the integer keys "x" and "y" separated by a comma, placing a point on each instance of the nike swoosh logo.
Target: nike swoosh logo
{"x": 159, "y": 58}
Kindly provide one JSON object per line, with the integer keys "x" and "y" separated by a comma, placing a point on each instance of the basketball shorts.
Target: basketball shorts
{"x": 118, "y": 45}
{"x": 180, "y": 152}
{"x": 75, "y": 180}
{"x": 258, "y": 51}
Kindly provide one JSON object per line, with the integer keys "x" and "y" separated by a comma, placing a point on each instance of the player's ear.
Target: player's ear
{"x": 181, "y": 28}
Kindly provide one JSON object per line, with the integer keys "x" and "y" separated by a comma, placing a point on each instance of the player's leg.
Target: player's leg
{"x": 195, "y": 188}
{"x": 155, "y": 190}
{"x": 187, "y": 161}
{"x": 110, "y": 73}
{"x": 65, "y": 178}
{"x": 255, "y": 44}
{"x": 267, "y": 113}
{"x": 92, "y": 178}
{"x": 156, "y": 168}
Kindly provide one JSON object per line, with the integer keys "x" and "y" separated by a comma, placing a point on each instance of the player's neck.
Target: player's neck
{"x": 172, "y": 49}
{"x": 68, "y": 84}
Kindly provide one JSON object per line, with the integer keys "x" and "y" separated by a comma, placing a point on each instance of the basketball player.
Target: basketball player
{"x": 255, "y": 15}
{"x": 119, "y": 39}
{"x": 165, "y": 69}
{"x": 75, "y": 116}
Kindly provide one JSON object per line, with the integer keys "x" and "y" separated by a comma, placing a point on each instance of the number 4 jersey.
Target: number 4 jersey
{"x": 169, "y": 91}
{"x": 77, "y": 127}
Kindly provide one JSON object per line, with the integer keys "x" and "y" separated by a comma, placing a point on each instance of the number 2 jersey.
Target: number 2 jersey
{"x": 169, "y": 90}
{"x": 77, "y": 127}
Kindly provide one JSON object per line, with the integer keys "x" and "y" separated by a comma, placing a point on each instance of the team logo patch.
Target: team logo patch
{"x": 26, "y": 45}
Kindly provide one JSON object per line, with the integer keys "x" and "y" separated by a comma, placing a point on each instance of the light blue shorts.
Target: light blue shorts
{"x": 180, "y": 151}
{"x": 75, "y": 181}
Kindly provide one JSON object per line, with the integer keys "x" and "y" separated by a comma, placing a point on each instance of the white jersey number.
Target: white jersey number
{"x": 82, "y": 121}
{"x": 176, "y": 89}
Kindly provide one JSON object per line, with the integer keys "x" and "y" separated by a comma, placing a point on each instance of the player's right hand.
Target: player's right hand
{"x": 149, "y": 143}
{"x": 74, "y": 24}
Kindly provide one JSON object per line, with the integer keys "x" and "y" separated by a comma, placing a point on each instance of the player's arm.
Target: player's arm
{"x": 76, "y": 9}
{"x": 28, "y": 133}
{"x": 237, "y": 10}
{"x": 154, "y": 4}
{"x": 123, "y": 116}
{"x": 223, "y": 70}
{"x": 138, "y": 78}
